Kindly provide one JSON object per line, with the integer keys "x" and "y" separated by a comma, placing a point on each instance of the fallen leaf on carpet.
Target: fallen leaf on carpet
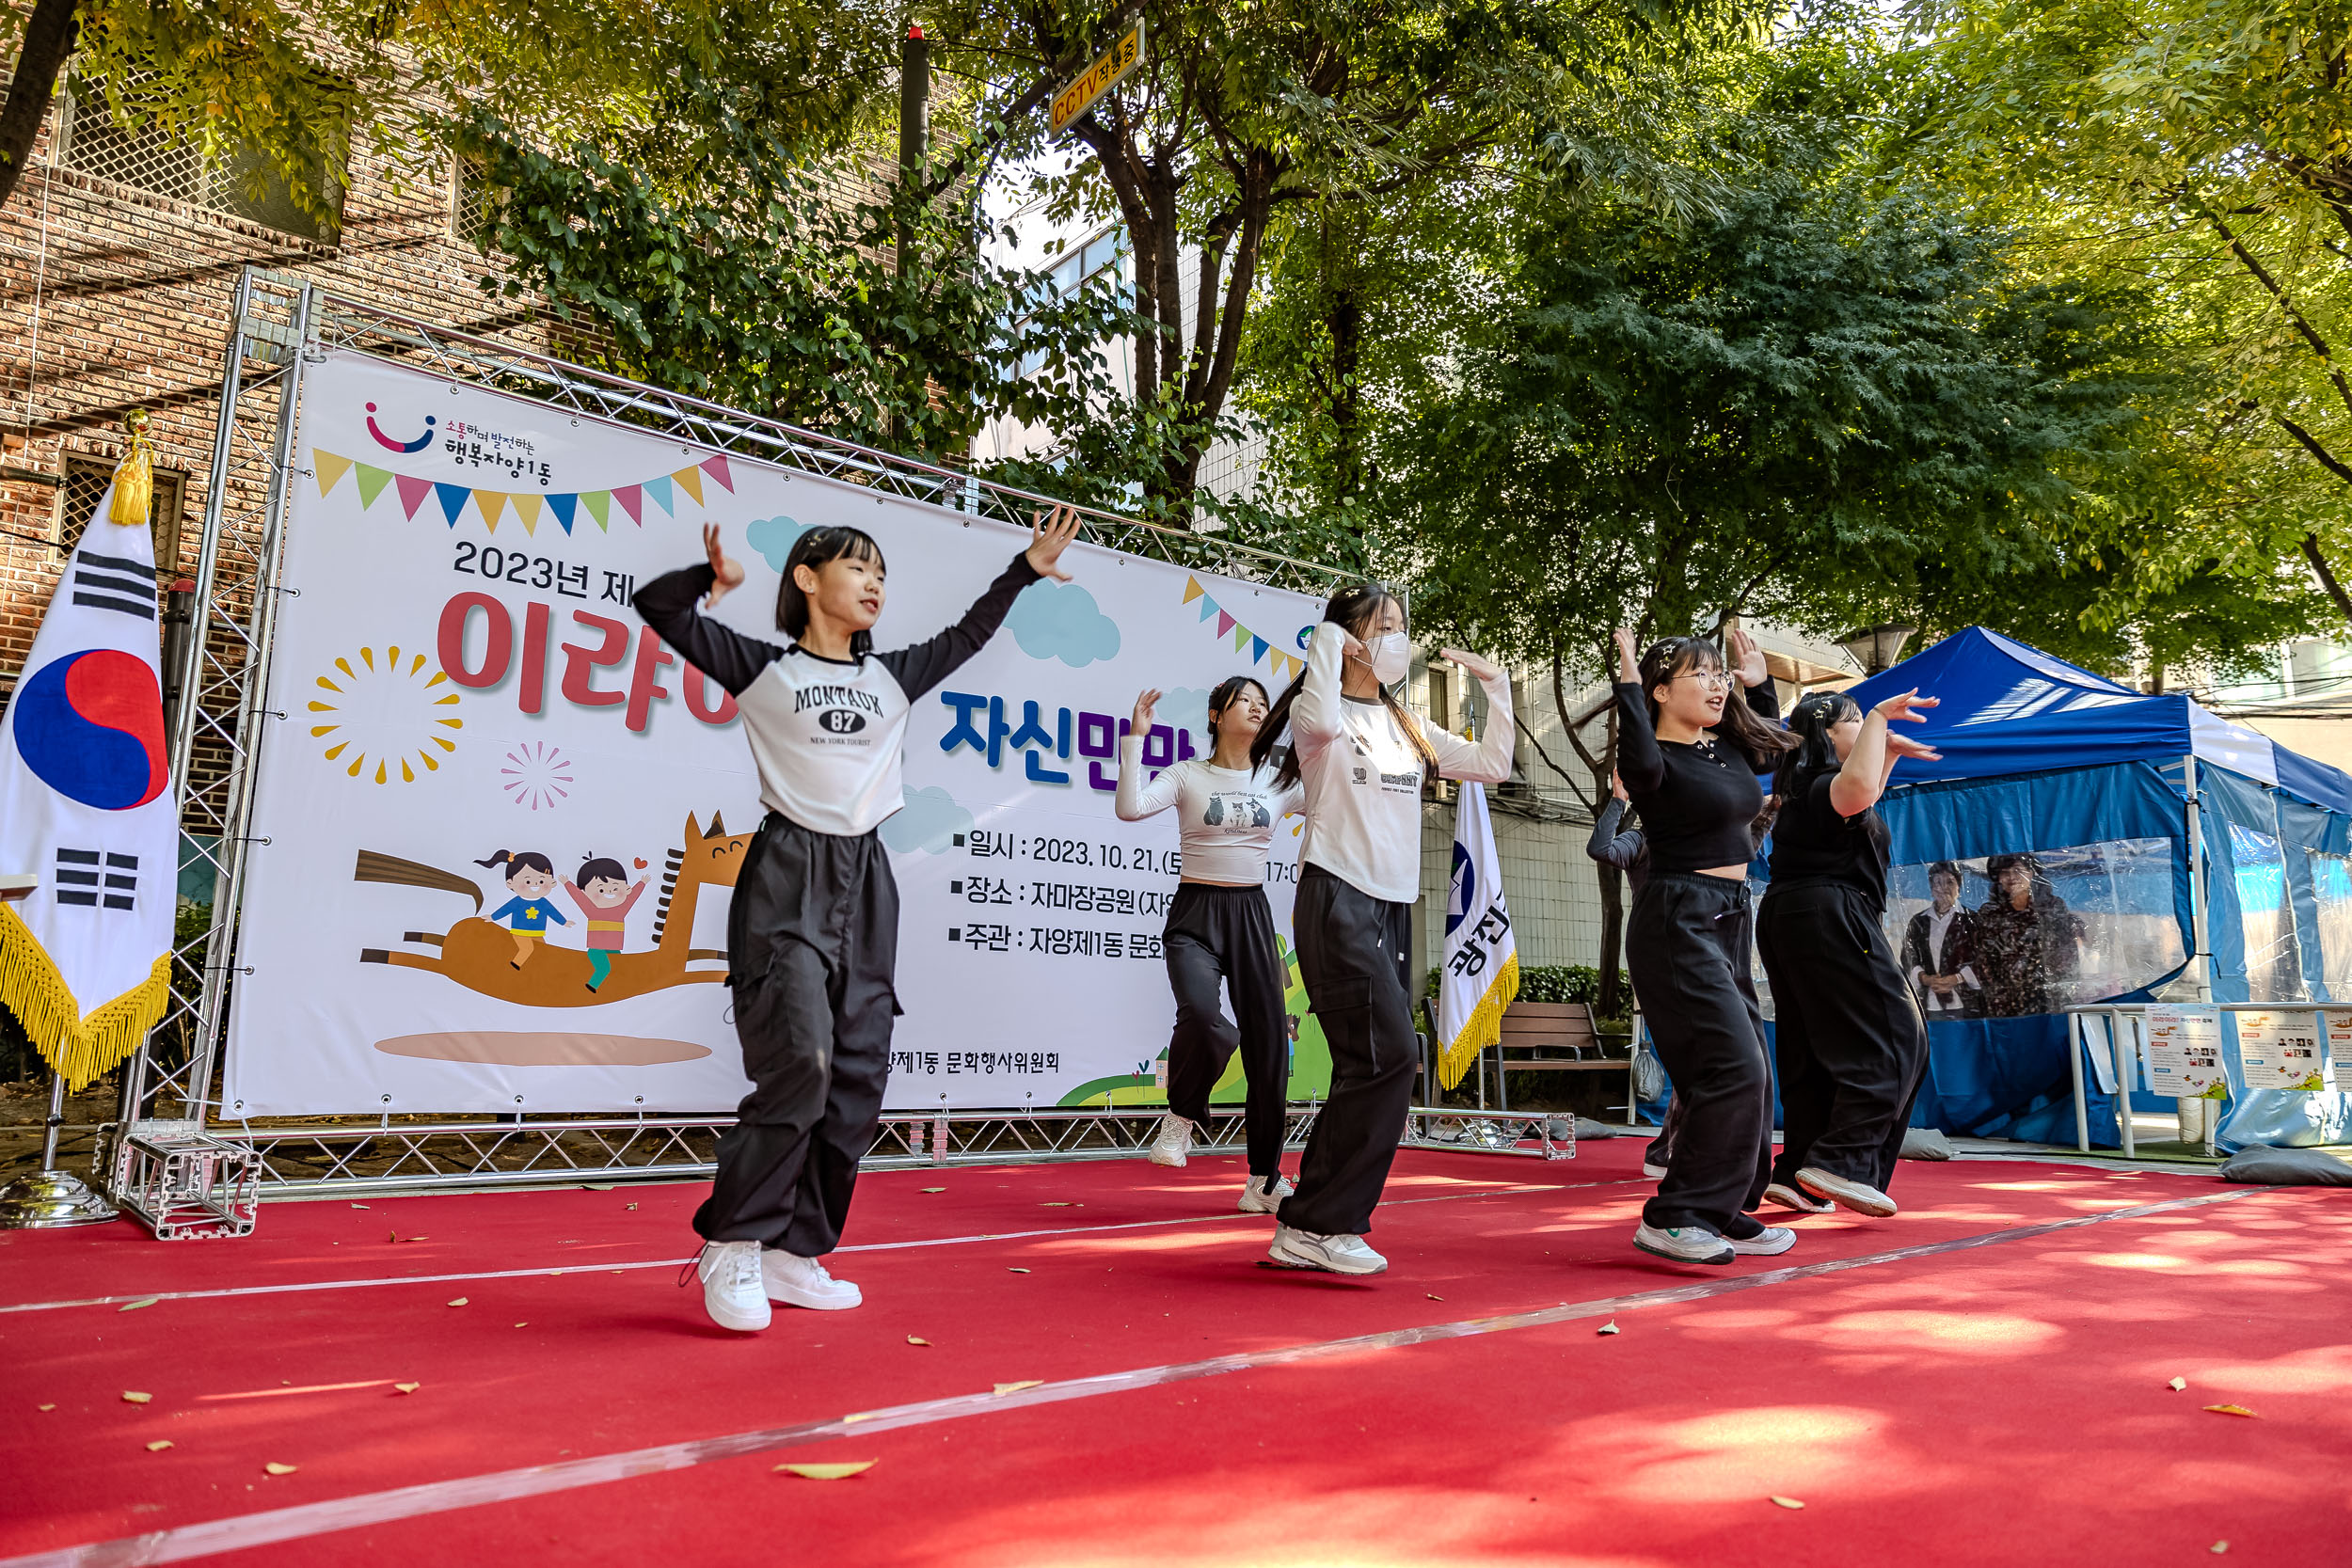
{"x": 1608, "y": 1327}
{"x": 861, "y": 1416}
{"x": 273, "y": 1468}
{"x": 827, "y": 1472}
{"x": 1010, "y": 1270}
{"x": 459, "y": 1301}
{"x": 407, "y": 1387}
{"x": 135, "y": 1306}
{"x": 935, "y": 1189}
{"x": 1060, "y": 1203}
{"x": 633, "y": 1206}
{"x": 1786, "y": 1502}
{"x": 46, "y": 1407}
{"x": 359, "y": 1206}
{"x": 2177, "y": 1383}
{"x": 132, "y": 1396}
{"x": 1016, "y": 1388}
{"x": 522, "y": 1326}
{"x": 600, "y": 1186}
{"x": 2218, "y": 1547}
{"x": 913, "y": 1339}
{"x": 2229, "y": 1410}
{"x": 391, "y": 1235}
{"x": 159, "y": 1445}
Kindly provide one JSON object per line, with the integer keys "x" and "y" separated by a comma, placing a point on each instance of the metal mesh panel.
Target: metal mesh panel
{"x": 472, "y": 204}
{"x": 164, "y": 165}
{"x": 86, "y": 481}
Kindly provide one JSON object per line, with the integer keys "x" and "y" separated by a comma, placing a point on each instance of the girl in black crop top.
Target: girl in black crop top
{"x": 1690, "y": 758}
{"x": 1848, "y": 1040}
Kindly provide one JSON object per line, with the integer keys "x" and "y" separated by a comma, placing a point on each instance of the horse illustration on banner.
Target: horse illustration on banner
{"x": 511, "y": 963}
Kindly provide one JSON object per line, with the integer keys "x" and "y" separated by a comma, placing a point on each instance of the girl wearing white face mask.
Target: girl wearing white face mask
{"x": 1361, "y": 758}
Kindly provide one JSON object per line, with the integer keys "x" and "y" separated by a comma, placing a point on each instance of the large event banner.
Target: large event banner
{"x": 483, "y": 750}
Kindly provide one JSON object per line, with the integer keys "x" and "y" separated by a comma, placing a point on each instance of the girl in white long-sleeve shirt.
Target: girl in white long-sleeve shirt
{"x": 1220, "y": 928}
{"x": 1361, "y": 758}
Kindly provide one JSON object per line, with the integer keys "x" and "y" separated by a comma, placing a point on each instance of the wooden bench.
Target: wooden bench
{"x": 1542, "y": 1036}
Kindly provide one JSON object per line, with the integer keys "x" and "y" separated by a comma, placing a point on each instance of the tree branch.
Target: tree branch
{"x": 49, "y": 34}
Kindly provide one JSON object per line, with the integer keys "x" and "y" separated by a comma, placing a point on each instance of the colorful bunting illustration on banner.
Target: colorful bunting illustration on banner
{"x": 492, "y": 505}
{"x": 1228, "y": 625}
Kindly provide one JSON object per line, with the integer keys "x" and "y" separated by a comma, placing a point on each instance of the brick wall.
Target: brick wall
{"x": 112, "y": 298}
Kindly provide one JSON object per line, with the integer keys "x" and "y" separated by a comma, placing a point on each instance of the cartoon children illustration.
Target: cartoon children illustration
{"x": 530, "y": 876}
{"x": 603, "y": 892}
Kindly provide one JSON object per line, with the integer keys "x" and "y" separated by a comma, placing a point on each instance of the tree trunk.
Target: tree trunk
{"x": 49, "y": 34}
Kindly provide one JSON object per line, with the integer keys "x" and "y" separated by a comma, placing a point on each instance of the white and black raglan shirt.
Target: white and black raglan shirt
{"x": 826, "y": 734}
{"x": 1363, "y": 776}
{"x": 1225, "y": 816}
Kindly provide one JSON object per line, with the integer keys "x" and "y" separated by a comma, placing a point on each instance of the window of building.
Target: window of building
{"x": 472, "y": 204}
{"x": 160, "y": 164}
{"x": 1105, "y": 252}
{"x": 85, "y": 481}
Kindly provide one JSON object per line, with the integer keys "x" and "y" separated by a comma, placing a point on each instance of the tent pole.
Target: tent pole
{"x": 2200, "y": 962}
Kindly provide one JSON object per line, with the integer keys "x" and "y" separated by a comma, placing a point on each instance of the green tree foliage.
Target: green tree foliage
{"x": 2203, "y": 148}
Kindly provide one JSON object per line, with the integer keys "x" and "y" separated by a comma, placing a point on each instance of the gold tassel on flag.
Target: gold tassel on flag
{"x": 134, "y": 477}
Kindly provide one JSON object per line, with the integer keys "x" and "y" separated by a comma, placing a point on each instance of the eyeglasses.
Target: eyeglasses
{"x": 1709, "y": 680}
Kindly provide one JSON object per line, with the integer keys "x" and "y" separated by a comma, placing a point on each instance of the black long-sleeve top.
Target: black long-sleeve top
{"x": 1626, "y": 849}
{"x": 1697, "y": 800}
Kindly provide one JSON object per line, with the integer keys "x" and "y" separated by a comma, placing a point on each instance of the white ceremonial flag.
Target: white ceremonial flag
{"x": 1480, "y": 965}
{"x": 86, "y": 808}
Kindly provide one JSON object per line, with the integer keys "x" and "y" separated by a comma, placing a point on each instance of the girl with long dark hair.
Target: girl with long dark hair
{"x": 1360, "y": 758}
{"x": 812, "y": 927}
{"x": 1220, "y": 928}
{"x": 1691, "y": 759}
{"x": 1848, "y": 1037}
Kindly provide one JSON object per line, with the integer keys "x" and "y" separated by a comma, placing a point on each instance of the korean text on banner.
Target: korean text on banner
{"x": 495, "y": 838}
{"x": 1478, "y": 973}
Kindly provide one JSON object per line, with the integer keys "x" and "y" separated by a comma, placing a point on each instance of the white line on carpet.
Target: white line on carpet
{"x": 244, "y": 1532}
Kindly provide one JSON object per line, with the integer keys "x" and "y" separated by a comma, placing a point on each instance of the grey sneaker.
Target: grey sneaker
{"x": 1768, "y": 1241}
{"x": 1860, "y": 1197}
{"x": 1172, "y": 1144}
{"x": 797, "y": 1281}
{"x": 1798, "y": 1198}
{"x": 731, "y": 1289}
{"x": 1264, "y": 1194}
{"x": 1689, "y": 1243}
{"x": 1304, "y": 1250}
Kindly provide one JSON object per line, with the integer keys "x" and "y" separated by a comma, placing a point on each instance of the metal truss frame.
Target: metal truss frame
{"x": 279, "y": 326}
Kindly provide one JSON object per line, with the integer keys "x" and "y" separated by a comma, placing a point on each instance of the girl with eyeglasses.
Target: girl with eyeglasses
{"x": 1360, "y": 758}
{"x": 1691, "y": 760}
{"x": 1220, "y": 928}
{"x": 1848, "y": 1038}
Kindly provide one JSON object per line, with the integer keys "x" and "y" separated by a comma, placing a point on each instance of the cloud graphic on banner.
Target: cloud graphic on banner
{"x": 773, "y": 538}
{"x": 929, "y": 822}
{"x": 1060, "y": 620}
{"x": 1183, "y": 707}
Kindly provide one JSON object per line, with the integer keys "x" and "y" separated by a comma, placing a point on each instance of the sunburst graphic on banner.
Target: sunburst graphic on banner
{"x": 381, "y": 717}
{"x": 538, "y": 775}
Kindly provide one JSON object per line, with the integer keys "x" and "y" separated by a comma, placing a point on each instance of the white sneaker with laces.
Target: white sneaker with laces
{"x": 1689, "y": 1243}
{"x": 1860, "y": 1197}
{"x": 1304, "y": 1250}
{"x": 797, "y": 1281}
{"x": 731, "y": 1289}
{"x": 1797, "y": 1198}
{"x": 1173, "y": 1142}
{"x": 1264, "y": 1194}
{"x": 1770, "y": 1242}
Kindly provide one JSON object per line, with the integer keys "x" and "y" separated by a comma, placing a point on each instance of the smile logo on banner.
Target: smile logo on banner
{"x": 90, "y": 726}
{"x": 383, "y": 714}
{"x": 389, "y": 445}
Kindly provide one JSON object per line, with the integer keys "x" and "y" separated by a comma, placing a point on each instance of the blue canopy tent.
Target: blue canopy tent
{"x": 2163, "y": 835}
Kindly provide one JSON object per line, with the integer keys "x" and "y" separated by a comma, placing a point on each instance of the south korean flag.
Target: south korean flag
{"x": 87, "y": 814}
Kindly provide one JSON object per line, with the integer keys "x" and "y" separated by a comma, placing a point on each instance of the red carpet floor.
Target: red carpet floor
{"x": 1978, "y": 1383}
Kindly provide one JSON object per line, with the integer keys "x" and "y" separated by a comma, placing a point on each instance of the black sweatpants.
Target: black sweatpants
{"x": 812, "y": 943}
{"x": 1227, "y": 933}
{"x": 1686, "y": 944}
{"x": 1849, "y": 1040}
{"x": 1351, "y": 955}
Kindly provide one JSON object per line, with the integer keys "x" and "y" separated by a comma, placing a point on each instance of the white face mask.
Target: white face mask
{"x": 1391, "y": 655}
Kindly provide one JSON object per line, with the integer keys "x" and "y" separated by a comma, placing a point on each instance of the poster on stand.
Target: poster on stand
{"x": 483, "y": 750}
{"x": 2185, "y": 1051}
{"x": 2340, "y": 1046}
{"x": 2280, "y": 1049}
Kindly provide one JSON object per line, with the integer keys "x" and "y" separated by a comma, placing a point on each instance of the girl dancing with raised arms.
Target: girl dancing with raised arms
{"x": 1690, "y": 759}
{"x": 1220, "y": 927}
{"x": 813, "y": 928}
{"x": 1361, "y": 758}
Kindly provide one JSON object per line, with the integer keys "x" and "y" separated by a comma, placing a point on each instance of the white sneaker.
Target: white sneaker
{"x": 731, "y": 1294}
{"x": 1174, "y": 1143}
{"x": 1689, "y": 1243}
{"x": 1656, "y": 1173}
{"x": 1798, "y": 1198}
{"x": 1304, "y": 1250}
{"x": 1257, "y": 1199}
{"x": 1860, "y": 1197}
{"x": 1771, "y": 1242}
{"x": 802, "y": 1282}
